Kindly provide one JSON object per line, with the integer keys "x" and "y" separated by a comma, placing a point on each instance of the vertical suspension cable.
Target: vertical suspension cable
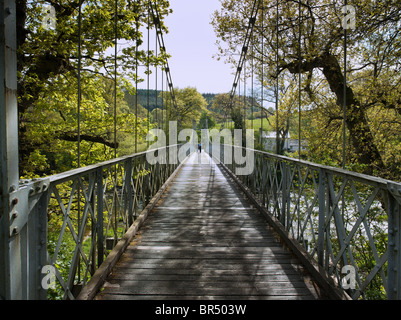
{"x": 252, "y": 72}
{"x": 136, "y": 78}
{"x": 162, "y": 101}
{"x": 299, "y": 114}
{"x": 79, "y": 122}
{"x": 115, "y": 77}
{"x": 262, "y": 80}
{"x": 249, "y": 31}
{"x": 277, "y": 82}
{"x": 169, "y": 80}
{"x": 156, "y": 52}
{"x": 167, "y": 108}
{"x": 345, "y": 91}
{"x": 344, "y": 113}
{"x": 148, "y": 68}
{"x": 244, "y": 97}
{"x": 79, "y": 85}
{"x": 239, "y": 93}
{"x": 162, "y": 97}
{"x": 299, "y": 78}
{"x": 115, "y": 196}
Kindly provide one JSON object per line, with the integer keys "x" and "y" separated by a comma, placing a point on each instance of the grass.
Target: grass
{"x": 255, "y": 124}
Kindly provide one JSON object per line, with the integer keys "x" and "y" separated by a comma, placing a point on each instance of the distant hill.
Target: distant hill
{"x": 154, "y": 100}
{"x": 153, "y": 95}
{"x": 153, "y": 103}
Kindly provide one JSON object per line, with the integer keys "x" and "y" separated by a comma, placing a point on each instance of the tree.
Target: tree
{"x": 221, "y": 104}
{"x": 206, "y": 120}
{"x": 233, "y": 108}
{"x": 190, "y": 105}
{"x": 48, "y": 73}
{"x": 373, "y": 52}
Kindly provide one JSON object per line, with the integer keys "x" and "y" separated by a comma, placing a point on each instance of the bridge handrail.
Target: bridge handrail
{"x": 335, "y": 214}
{"x": 343, "y": 172}
{"x": 70, "y": 221}
{"x": 67, "y": 175}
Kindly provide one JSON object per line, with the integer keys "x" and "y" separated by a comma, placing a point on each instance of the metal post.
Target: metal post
{"x": 263, "y": 187}
{"x": 394, "y": 243}
{"x": 9, "y": 179}
{"x": 284, "y": 194}
{"x": 129, "y": 191}
{"x": 99, "y": 205}
{"x": 38, "y": 245}
{"x": 322, "y": 216}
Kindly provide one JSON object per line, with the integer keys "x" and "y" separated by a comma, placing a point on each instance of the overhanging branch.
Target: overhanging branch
{"x": 68, "y": 136}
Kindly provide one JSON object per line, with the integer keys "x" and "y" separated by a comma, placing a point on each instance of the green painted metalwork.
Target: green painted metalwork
{"x": 343, "y": 219}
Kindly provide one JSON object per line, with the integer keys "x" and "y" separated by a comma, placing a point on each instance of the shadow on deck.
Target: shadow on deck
{"x": 204, "y": 240}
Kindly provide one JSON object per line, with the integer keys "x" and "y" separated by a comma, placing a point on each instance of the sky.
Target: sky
{"x": 191, "y": 42}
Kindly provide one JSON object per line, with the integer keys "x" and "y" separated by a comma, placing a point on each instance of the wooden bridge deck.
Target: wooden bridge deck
{"x": 204, "y": 240}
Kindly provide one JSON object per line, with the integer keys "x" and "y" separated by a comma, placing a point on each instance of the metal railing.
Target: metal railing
{"x": 77, "y": 217}
{"x": 348, "y": 222}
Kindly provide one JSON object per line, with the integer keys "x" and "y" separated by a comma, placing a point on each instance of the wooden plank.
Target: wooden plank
{"x": 197, "y": 288}
{"x": 323, "y": 279}
{"x": 88, "y": 292}
{"x": 204, "y": 240}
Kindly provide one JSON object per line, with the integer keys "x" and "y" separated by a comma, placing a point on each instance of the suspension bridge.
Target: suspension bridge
{"x": 191, "y": 229}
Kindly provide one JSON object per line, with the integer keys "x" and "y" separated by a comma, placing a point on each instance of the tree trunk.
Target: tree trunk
{"x": 360, "y": 134}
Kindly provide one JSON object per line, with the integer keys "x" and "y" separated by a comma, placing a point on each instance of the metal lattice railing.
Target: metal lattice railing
{"x": 82, "y": 215}
{"x": 348, "y": 222}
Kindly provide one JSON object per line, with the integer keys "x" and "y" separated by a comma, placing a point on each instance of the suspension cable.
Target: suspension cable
{"x": 261, "y": 82}
{"x": 115, "y": 77}
{"x": 79, "y": 121}
{"x": 156, "y": 108}
{"x": 244, "y": 96}
{"x": 162, "y": 106}
{"x": 252, "y": 74}
{"x": 244, "y": 50}
{"x": 79, "y": 84}
{"x": 136, "y": 78}
{"x": 277, "y": 80}
{"x": 156, "y": 17}
{"x": 345, "y": 91}
{"x": 148, "y": 68}
{"x": 299, "y": 78}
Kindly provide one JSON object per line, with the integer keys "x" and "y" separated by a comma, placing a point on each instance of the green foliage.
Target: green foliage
{"x": 48, "y": 83}
{"x": 372, "y": 118}
{"x": 49, "y": 75}
{"x": 206, "y": 119}
{"x": 373, "y": 81}
{"x": 190, "y": 105}
{"x": 237, "y": 117}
